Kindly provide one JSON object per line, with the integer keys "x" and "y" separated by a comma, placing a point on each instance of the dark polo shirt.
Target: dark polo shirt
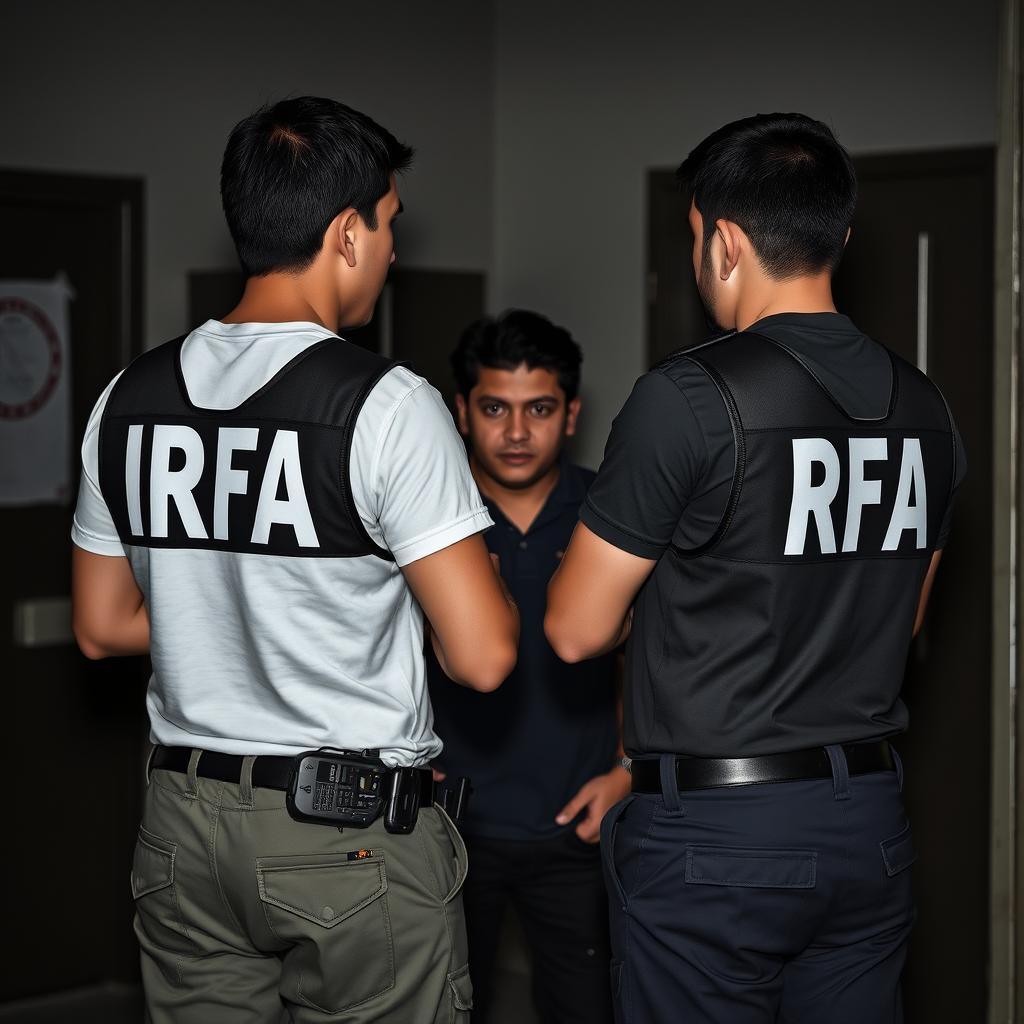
{"x": 550, "y": 727}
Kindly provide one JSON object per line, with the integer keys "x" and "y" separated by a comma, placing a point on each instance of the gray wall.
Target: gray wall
{"x": 133, "y": 87}
{"x": 591, "y": 95}
{"x": 535, "y": 122}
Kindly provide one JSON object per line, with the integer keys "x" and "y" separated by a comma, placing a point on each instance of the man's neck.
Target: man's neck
{"x": 797, "y": 295}
{"x": 281, "y": 298}
{"x": 519, "y": 505}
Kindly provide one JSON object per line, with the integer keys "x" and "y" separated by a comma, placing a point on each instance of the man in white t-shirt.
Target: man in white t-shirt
{"x": 269, "y": 512}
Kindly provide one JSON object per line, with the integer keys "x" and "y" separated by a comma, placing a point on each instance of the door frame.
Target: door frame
{"x": 123, "y": 200}
{"x": 78, "y": 190}
{"x": 1006, "y": 945}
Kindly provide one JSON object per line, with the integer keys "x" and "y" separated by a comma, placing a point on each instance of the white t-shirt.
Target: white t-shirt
{"x": 270, "y": 654}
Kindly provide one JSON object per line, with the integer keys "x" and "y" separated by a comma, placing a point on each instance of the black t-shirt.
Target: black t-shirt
{"x": 669, "y": 465}
{"x": 549, "y": 727}
{"x": 656, "y": 486}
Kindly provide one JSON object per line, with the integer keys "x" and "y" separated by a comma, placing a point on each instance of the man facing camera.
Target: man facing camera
{"x": 541, "y": 751}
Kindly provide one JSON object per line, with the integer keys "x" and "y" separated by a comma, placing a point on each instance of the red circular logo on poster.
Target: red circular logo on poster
{"x": 30, "y": 358}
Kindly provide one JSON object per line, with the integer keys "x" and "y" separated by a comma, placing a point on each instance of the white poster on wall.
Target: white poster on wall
{"x": 35, "y": 392}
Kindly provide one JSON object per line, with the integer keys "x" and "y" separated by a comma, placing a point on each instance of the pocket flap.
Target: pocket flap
{"x": 898, "y": 852}
{"x": 325, "y": 889}
{"x": 462, "y": 989}
{"x": 753, "y": 868}
{"x": 152, "y": 864}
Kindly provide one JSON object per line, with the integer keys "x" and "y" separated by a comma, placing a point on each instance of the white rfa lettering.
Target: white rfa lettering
{"x": 280, "y": 471}
{"x": 166, "y": 485}
{"x": 817, "y": 500}
{"x": 230, "y": 481}
{"x": 809, "y": 500}
{"x": 294, "y": 509}
{"x": 133, "y": 478}
{"x": 904, "y": 515}
{"x": 862, "y": 492}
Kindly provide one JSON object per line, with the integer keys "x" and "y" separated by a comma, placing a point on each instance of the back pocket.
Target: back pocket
{"x": 332, "y": 914}
{"x": 751, "y": 868}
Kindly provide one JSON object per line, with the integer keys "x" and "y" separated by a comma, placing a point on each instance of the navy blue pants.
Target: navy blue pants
{"x": 787, "y": 902}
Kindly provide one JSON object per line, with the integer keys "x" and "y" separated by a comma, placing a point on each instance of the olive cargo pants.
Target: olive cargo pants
{"x": 243, "y": 914}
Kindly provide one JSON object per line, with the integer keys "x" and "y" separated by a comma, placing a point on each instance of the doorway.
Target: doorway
{"x": 917, "y": 276}
{"x": 72, "y": 754}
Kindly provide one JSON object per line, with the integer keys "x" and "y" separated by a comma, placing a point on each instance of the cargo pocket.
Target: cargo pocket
{"x": 461, "y": 990}
{"x": 898, "y": 852}
{"x": 156, "y": 900}
{"x": 751, "y": 868}
{"x": 332, "y": 914}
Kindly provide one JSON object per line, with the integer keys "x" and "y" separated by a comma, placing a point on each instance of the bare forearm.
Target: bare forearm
{"x": 926, "y": 591}
{"x": 117, "y": 638}
{"x": 575, "y": 631}
{"x": 474, "y": 661}
{"x": 591, "y": 596}
{"x": 474, "y": 621}
{"x": 109, "y": 615}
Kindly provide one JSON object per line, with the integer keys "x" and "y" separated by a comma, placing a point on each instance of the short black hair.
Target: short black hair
{"x": 515, "y": 337}
{"x": 291, "y": 168}
{"x": 785, "y": 180}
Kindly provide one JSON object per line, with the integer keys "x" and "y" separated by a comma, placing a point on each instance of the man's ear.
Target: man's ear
{"x": 462, "y": 415}
{"x": 572, "y": 413}
{"x": 731, "y": 237}
{"x": 344, "y": 228}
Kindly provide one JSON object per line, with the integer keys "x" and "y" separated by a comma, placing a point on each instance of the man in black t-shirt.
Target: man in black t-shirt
{"x": 543, "y": 751}
{"x": 765, "y": 528}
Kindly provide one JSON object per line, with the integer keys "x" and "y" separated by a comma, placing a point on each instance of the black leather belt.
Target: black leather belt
{"x": 268, "y": 771}
{"x": 719, "y": 772}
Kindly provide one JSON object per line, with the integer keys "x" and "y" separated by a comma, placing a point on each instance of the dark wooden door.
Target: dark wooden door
{"x": 675, "y": 314}
{"x": 429, "y": 309}
{"x": 75, "y": 729}
{"x": 917, "y": 276}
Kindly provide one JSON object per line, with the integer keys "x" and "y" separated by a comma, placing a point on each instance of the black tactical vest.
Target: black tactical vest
{"x": 269, "y": 476}
{"x": 796, "y": 616}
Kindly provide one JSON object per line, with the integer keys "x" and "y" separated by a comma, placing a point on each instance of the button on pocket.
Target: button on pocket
{"x": 898, "y": 852}
{"x": 751, "y": 868}
{"x": 333, "y": 915}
